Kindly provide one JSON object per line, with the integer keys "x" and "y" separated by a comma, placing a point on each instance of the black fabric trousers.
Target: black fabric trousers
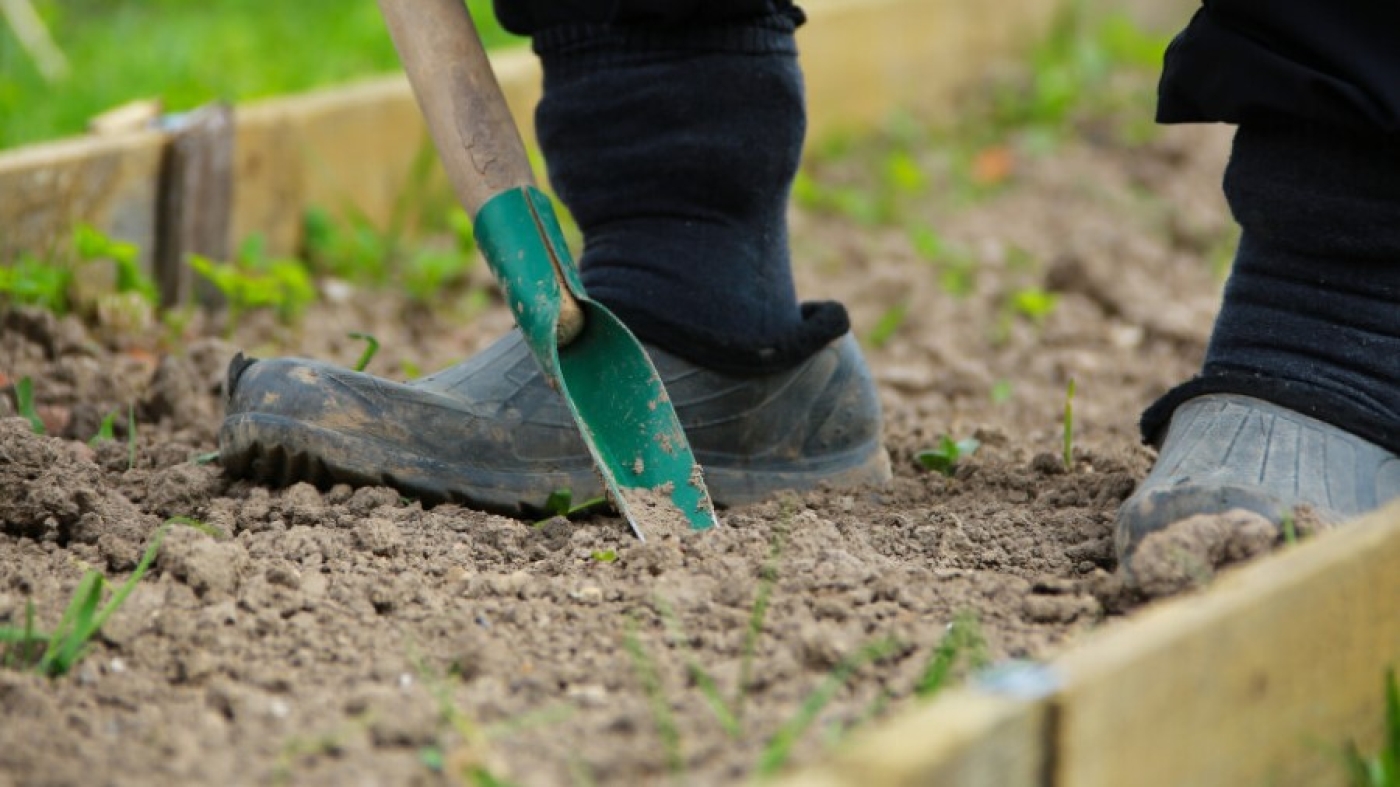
{"x": 1311, "y": 316}
{"x": 1311, "y": 312}
{"x": 672, "y": 131}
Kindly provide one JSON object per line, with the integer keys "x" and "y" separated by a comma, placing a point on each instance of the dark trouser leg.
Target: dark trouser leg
{"x": 1311, "y": 316}
{"x": 1309, "y": 319}
{"x": 672, "y": 131}
{"x": 1298, "y": 402}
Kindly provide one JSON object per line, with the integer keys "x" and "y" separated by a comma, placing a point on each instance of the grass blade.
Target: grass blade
{"x": 83, "y": 619}
{"x": 768, "y": 578}
{"x": 666, "y": 727}
{"x": 371, "y": 348}
{"x": 964, "y": 637}
{"x": 779, "y": 748}
{"x": 65, "y": 645}
{"x": 703, "y": 680}
{"x": 130, "y": 437}
{"x": 1069, "y": 427}
{"x": 24, "y": 402}
{"x": 1390, "y": 755}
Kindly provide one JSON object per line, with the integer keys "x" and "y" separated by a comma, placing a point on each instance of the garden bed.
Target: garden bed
{"x": 333, "y": 636}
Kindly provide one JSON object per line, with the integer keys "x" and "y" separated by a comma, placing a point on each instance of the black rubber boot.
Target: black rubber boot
{"x": 491, "y": 434}
{"x": 1225, "y": 452}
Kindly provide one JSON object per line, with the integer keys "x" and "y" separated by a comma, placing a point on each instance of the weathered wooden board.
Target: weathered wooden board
{"x": 863, "y": 59}
{"x": 1259, "y": 680}
{"x": 966, "y": 738}
{"x": 196, "y": 200}
{"x": 111, "y": 182}
{"x": 350, "y": 151}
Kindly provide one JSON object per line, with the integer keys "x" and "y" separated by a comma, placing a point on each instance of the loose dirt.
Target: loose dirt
{"x": 349, "y": 636}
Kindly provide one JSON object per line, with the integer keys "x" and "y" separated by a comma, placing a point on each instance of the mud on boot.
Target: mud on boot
{"x": 490, "y": 433}
{"x": 1226, "y": 452}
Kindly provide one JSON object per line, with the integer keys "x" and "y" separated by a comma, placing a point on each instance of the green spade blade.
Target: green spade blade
{"x": 611, "y": 387}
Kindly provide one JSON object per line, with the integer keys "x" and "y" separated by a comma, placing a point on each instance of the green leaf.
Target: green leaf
{"x": 559, "y": 501}
{"x": 604, "y": 556}
{"x": 106, "y": 432}
{"x": 371, "y": 347}
{"x": 24, "y": 401}
{"x": 888, "y": 324}
{"x": 945, "y": 458}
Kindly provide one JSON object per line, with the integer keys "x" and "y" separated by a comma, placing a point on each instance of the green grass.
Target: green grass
{"x": 56, "y": 653}
{"x": 962, "y": 641}
{"x": 1067, "y": 438}
{"x": 188, "y": 53}
{"x": 255, "y": 280}
{"x": 371, "y": 349}
{"x": 24, "y": 404}
{"x": 1383, "y": 768}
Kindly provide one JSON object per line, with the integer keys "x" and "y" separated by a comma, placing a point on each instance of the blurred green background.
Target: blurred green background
{"x": 187, "y": 52}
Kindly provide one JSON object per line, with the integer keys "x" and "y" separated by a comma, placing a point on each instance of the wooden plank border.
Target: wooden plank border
{"x": 351, "y": 149}
{"x": 1258, "y": 680}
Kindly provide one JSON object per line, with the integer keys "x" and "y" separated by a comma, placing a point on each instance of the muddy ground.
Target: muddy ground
{"x": 350, "y": 636}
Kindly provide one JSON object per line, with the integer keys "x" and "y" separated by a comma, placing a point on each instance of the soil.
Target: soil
{"x": 349, "y": 636}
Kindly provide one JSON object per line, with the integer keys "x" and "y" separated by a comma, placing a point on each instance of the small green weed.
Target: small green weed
{"x": 650, "y": 678}
{"x": 957, "y": 270}
{"x": 194, "y": 524}
{"x": 1289, "y": 524}
{"x": 24, "y": 404}
{"x": 130, "y": 437}
{"x": 31, "y": 282}
{"x": 945, "y": 458}
{"x": 256, "y": 281}
{"x": 963, "y": 640}
{"x": 59, "y": 283}
{"x": 603, "y": 556}
{"x": 1074, "y": 67}
{"x": 561, "y": 503}
{"x": 865, "y": 206}
{"x": 779, "y": 747}
{"x": 92, "y": 246}
{"x": 1068, "y": 438}
{"x": 1383, "y": 768}
{"x": 106, "y": 431}
{"x": 903, "y": 175}
{"x": 1034, "y": 304}
{"x": 371, "y": 348}
{"x": 356, "y": 251}
{"x": 888, "y": 325}
{"x": 1002, "y": 392}
{"x": 468, "y": 761}
{"x": 56, "y": 653}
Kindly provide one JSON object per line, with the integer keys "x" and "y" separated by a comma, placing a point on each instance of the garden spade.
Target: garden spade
{"x": 613, "y": 391}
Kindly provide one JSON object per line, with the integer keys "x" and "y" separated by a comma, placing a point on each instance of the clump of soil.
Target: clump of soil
{"x": 1188, "y": 554}
{"x": 349, "y": 635}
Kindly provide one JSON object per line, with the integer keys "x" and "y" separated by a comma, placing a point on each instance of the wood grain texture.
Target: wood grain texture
{"x": 965, "y": 738}
{"x": 111, "y": 182}
{"x": 865, "y": 59}
{"x": 1257, "y": 681}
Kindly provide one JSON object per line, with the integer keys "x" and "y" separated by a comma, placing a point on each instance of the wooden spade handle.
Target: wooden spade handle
{"x": 471, "y": 125}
